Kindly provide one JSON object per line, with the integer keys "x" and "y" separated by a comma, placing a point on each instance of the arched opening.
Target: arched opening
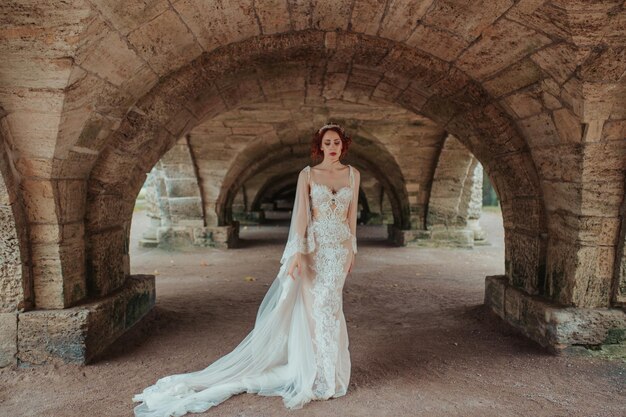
{"x": 480, "y": 130}
{"x": 203, "y": 90}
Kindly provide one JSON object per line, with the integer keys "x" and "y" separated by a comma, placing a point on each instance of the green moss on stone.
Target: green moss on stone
{"x": 137, "y": 306}
{"x": 615, "y": 336}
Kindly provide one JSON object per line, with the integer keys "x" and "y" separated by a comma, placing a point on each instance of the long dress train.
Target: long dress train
{"x": 298, "y": 348}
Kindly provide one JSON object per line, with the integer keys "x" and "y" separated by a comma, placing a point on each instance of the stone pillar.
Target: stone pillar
{"x": 16, "y": 292}
{"x": 475, "y": 205}
{"x": 454, "y": 204}
{"x": 175, "y": 205}
{"x": 374, "y": 192}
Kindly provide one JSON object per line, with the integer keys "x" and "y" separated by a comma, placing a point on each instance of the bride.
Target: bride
{"x": 298, "y": 348}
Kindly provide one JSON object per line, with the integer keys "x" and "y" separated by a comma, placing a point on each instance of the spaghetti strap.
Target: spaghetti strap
{"x": 308, "y": 174}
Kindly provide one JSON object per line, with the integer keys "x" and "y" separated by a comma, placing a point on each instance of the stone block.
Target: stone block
{"x": 399, "y": 21}
{"x": 58, "y": 273}
{"x": 47, "y": 276}
{"x": 405, "y": 237}
{"x": 594, "y": 273}
{"x": 104, "y": 261}
{"x": 524, "y": 104}
{"x": 365, "y": 16}
{"x": 568, "y": 126}
{"x": 113, "y": 60}
{"x": 39, "y": 198}
{"x": 540, "y": 131}
{"x": 501, "y": 45}
{"x": 554, "y": 326}
{"x": 558, "y": 60}
{"x": 127, "y": 15}
{"x": 107, "y": 211}
{"x": 79, "y": 334}
{"x": 182, "y": 187}
{"x": 165, "y": 42}
{"x": 494, "y": 294}
{"x": 465, "y": 19}
{"x": 517, "y": 76}
{"x": 463, "y": 238}
{"x": 440, "y": 43}
{"x": 172, "y": 238}
{"x": 330, "y": 15}
{"x": 224, "y": 236}
{"x": 8, "y": 338}
{"x": 273, "y": 16}
{"x": 11, "y": 280}
{"x": 525, "y": 260}
{"x": 215, "y": 24}
{"x": 72, "y": 198}
{"x": 185, "y": 207}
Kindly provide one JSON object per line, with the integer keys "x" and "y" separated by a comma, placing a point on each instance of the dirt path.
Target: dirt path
{"x": 420, "y": 341}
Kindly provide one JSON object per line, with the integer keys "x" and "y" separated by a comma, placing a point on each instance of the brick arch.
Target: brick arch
{"x": 211, "y": 84}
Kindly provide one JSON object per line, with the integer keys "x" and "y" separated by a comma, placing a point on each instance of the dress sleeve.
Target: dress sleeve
{"x": 354, "y": 205}
{"x": 299, "y": 239}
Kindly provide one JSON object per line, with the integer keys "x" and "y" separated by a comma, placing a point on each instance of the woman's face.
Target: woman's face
{"x": 331, "y": 145}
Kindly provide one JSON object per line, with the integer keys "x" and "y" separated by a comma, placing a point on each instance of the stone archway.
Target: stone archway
{"x": 528, "y": 98}
{"x": 486, "y": 131}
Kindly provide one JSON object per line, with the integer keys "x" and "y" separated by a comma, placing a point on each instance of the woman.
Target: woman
{"x": 298, "y": 348}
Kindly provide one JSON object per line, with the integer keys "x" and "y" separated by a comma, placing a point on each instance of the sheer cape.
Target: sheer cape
{"x": 275, "y": 358}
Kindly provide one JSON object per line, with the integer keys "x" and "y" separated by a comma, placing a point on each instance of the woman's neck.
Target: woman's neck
{"x": 331, "y": 165}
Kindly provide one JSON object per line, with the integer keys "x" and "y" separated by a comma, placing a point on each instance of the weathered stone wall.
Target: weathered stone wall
{"x": 619, "y": 280}
{"x": 16, "y": 286}
{"x": 95, "y": 93}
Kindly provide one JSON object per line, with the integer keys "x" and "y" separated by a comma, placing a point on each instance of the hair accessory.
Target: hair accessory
{"x": 329, "y": 125}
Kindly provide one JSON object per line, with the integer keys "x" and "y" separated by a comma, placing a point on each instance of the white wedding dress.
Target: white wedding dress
{"x": 298, "y": 348}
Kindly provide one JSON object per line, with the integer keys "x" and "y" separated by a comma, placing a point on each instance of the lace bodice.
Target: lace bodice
{"x": 326, "y": 204}
{"x": 330, "y": 211}
{"x": 321, "y": 215}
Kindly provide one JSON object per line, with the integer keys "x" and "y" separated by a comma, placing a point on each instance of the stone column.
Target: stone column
{"x": 175, "y": 205}
{"x": 16, "y": 290}
{"x": 454, "y": 203}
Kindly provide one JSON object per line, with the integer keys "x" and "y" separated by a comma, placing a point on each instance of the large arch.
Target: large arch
{"x": 529, "y": 99}
{"x": 486, "y": 131}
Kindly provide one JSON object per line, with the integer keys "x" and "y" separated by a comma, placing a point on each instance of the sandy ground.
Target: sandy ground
{"x": 421, "y": 343}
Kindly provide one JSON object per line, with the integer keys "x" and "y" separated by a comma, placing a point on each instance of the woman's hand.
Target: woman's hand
{"x": 352, "y": 262}
{"x": 295, "y": 264}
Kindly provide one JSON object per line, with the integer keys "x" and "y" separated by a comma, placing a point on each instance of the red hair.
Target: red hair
{"x": 316, "y": 143}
